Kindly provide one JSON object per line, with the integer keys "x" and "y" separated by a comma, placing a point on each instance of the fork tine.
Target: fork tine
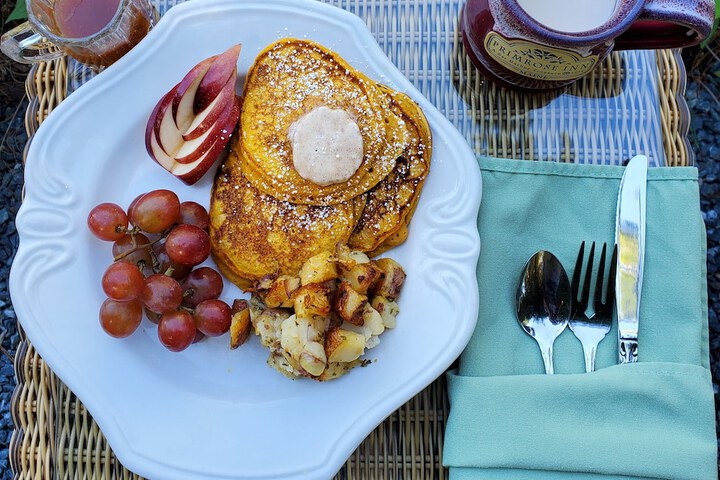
{"x": 599, "y": 285}
{"x": 588, "y": 276}
{"x": 576, "y": 273}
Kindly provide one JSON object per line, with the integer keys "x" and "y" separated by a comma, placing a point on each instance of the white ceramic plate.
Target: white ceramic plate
{"x": 209, "y": 412}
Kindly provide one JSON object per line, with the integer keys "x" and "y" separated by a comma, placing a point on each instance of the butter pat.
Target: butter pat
{"x": 327, "y": 146}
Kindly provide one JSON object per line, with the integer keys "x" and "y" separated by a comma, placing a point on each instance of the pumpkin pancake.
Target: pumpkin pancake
{"x": 289, "y": 79}
{"x": 391, "y": 203}
{"x": 253, "y": 234}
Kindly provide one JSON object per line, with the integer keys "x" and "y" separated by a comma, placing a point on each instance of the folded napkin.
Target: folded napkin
{"x": 652, "y": 419}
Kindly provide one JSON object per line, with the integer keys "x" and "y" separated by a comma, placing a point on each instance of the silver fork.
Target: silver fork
{"x": 591, "y": 330}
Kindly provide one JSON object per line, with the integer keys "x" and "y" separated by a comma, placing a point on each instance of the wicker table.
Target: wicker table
{"x": 633, "y": 102}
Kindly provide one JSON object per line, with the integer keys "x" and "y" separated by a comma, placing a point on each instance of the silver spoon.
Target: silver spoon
{"x": 543, "y": 302}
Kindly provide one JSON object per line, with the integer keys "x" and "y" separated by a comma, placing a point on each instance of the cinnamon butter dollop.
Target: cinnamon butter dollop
{"x": 327, "y": 146}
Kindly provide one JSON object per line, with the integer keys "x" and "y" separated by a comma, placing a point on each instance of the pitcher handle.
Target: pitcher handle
{"x": 23, "y": 44}
{"x": 668, "y": 24}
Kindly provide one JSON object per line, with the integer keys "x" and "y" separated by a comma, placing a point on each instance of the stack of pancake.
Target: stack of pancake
{"x": 265, "y": 217}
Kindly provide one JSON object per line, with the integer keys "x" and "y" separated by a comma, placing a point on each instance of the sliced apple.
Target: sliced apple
{"x": 156, "y": 116}
{"x": 205, "y": 119}
{"x": 191, "y": 150}
{"x": 186, "y": 90}
{"x": 216, "y": 77}
{"x": 187, "y": 141}
{"x": 190, "y": 173}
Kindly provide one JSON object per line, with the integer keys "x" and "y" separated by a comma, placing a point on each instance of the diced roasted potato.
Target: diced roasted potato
{"x": 388, "y": 310}
{"x": 362, "y": 276}
{"x": 347, "y": 259}
{"x": 343, "y": 345}
{"x": 268, "y": 326}
{"x": 313, "y": 359}
{"x": 240, "y": 325}
{"x": 311, "y": 300}
{"x": 302, "y": 341}
{"x": 318, "y": 269}
{"x": 280, "y": 292}
{"x": 335, "y": 370}
{"x": 279, "y": 363}
{"x": 256, "y": 306}
{"x": 392, "y": 280}
{"x": 264, "y": 283}
{"x": 372, "y": 320}
{"x": 349, "y": 304}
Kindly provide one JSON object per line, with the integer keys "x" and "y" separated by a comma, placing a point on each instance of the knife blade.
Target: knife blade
{"x": 630, "y": 240}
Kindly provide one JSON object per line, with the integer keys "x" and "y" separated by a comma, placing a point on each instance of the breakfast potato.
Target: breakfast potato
{"x": 372, "y": 320}
{"x": 392, "y": 280}
{"x": 312, "y": 300}
{"x": 313, "y": 359}
{"x": 362, "y": 276}
{"x": 301, "y": 340}
{"x": 240, "y": 325}
{"x": 267, "y": 325}
{"x": 318, "y": 269}
{"x": 319, "y": 323}
{"x": 281, "y": 292}
{"x": 388, "y": 310}
{"x": 277, "y": 361}
{"x": 349, "y": 304}
{"x": 336, "y": 369}
{"x": 347, "y": 259}
{"x": 342, "y": 346}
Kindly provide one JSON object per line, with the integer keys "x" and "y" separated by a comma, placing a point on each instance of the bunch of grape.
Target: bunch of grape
{"x": 157, "y": 244}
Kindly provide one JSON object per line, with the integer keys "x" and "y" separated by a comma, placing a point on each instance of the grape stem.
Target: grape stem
{"x": 135, "y": 249}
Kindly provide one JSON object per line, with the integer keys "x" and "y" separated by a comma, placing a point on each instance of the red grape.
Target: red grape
{"x": 152, "y": 316}
{"x": 120, "y": 319}
{"x": 134, "y": 249}
{"x": 212, "y": 317}
{"x": 164, "y": 263}
{"x": 162, "y": 293}
{"x": 156, "y": 211}
{"x": 198, "y": 336}
{"x": 176, "y": 330}
{"x": 192, "y": 213}
{"x": 108, "y": 221}
{"x": 188, "y": 245}
{"x": 123, "y": 281}
{"x": 202, "y": 284}
{"x": 131, "y": 207}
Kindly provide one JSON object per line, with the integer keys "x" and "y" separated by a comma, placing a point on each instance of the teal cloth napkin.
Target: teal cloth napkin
{"x": 652, "y": 419}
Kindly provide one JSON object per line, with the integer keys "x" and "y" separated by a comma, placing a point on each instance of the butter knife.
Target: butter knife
{"x": 630, "y": 239}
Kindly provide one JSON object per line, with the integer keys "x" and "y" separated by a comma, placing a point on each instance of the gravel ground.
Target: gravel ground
{"x": 12, "y": 130}
{"x": 702, "y": 96}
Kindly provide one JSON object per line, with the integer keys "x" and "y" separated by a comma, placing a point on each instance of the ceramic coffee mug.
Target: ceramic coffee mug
{"x": 96, "y": 35}
{"x": 545, "y": 44}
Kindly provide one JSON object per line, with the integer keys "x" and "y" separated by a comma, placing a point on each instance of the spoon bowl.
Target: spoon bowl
{"x": 543, "y": 302}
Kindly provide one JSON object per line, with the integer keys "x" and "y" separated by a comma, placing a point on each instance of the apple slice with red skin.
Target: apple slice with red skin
{"x": 183, "y": 142}
{"x": 186, "y": 90}
{"x": 155, "y": 119}
{"x": 166, "y": 110}
{"x": 192, "y": 150}
{"x": 190, "y": 173}
{"x": 193, "y": 171}
{"x": 222, "y": 68}
{"x": 205, "y": 119}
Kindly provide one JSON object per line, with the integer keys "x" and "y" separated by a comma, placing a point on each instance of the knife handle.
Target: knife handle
{"x": 628, "y": 351}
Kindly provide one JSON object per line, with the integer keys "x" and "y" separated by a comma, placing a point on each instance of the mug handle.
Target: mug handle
{"x": 662, "y": 25}
{"x": 24, "y": 45}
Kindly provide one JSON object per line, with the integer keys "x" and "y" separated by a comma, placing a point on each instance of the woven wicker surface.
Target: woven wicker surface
{"x": 633, "y": 102}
